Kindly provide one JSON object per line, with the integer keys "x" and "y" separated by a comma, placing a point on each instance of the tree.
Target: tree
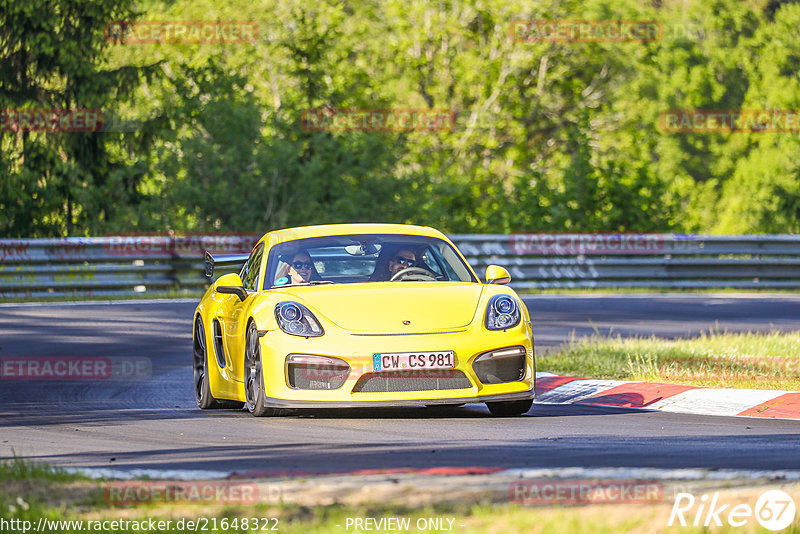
{"x": 61, "y": 183}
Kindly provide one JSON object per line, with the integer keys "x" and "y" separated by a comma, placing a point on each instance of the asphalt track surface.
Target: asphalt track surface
{"x": 154, "y": 424}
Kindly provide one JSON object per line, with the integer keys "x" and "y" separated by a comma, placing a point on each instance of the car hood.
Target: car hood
{"x": 382, "y": 307}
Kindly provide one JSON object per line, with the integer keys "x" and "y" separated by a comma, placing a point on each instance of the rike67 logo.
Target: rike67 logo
{"x": 774, "y": 510}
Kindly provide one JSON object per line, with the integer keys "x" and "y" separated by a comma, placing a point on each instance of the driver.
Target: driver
{"x": 391, "y": 261}
{"x": 404, "y": 259}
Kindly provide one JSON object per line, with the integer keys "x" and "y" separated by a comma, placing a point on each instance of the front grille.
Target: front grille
{"x": 432, "y": 380}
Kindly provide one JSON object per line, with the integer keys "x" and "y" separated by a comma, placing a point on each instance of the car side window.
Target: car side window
{"x": 431, "y": 263}
{"x": 250, "y": 270}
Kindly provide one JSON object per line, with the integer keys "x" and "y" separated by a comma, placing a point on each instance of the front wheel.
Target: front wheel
{"x": 256, "y": 399}
{"x": 509, "y": 408}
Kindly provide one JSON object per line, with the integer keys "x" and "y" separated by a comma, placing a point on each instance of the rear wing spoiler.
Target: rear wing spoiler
{"x": 212, "y": 260}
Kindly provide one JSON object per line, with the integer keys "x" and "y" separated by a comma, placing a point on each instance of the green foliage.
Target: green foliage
{"x": 548, "y": 136}
{"x": 66, "y": 182}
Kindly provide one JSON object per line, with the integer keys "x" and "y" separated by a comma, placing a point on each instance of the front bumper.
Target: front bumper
{"x": 357, "y": 351}
{"x": 282, "y": 403}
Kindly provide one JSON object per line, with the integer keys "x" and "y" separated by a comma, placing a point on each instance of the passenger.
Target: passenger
{"x": 299, "y": 270}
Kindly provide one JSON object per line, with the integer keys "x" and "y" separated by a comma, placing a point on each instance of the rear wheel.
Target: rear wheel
{"x": 509, "y": 408}
{"x": 254, "y": 377}
{"x": 202, "y": 388}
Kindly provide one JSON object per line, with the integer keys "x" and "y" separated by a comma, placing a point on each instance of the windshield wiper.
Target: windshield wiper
{"x": 311, "y": 283}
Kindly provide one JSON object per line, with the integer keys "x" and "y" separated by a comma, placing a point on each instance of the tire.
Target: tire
{"x": 254, "y": 377}
{"x": 202, "y": 388}
{"x": 509, "y": 408}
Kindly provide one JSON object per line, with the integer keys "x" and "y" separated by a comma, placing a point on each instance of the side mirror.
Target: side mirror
{"x": 231, "y": 284}
{"x": 497, "y": 275}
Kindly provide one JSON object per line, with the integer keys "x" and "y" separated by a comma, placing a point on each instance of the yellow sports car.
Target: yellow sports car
{"x": 353, "y": 315}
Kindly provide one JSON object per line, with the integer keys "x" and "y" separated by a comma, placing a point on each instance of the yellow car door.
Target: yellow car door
{"x": 234, "y": 313}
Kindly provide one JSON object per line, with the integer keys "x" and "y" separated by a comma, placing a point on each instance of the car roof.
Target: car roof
{"x": 290, "y": 234}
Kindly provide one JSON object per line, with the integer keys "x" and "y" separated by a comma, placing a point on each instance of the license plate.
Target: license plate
{"x": 394, "y": 361}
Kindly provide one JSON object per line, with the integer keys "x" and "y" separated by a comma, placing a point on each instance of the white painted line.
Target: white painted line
{"x": 665, "y": 296}
{"x": 96, "y": 302}
{"x": 715, "y": 401}
{"x": 649, "y": 473}
{"x": 603, "y": 473}
{"x": 577, "y": 390}
{"x": 122, "y": 474}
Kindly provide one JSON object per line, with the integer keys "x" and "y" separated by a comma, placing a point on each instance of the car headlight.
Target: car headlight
{"x": 294, "y": 318}
{"x": 502, "y": 312}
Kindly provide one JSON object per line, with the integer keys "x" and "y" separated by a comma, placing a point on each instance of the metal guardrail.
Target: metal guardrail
{"x": 123, "y": 265}
{"x": 118, "y": 265}
{"x": 672, "y": 261}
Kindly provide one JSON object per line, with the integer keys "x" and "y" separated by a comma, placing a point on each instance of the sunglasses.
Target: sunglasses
{"x": 302, "y": 265}
{"x": 405, "y": 261}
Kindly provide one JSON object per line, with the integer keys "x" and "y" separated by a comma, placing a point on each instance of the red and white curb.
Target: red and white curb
{"x": 554, "y": 389}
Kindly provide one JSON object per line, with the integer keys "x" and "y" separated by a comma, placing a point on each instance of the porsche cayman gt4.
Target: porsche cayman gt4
{"x": 360, "y": 315}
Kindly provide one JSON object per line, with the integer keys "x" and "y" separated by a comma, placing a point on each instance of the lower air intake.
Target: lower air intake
{"x": 501, "y": 366}
{"x": 317, "y": 377}
{"x": 411, "y": 381}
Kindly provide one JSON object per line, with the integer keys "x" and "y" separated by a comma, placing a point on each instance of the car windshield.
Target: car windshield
{"x": 364, "y": 258}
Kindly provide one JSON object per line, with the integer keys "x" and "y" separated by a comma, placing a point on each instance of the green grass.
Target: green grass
{"x": 495, "y": 518}
{"x": 30, "y": 491}
{"x": 21, "y": 469}
{"x": 171, "y": 294}
{"x": 747, "y": 360}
